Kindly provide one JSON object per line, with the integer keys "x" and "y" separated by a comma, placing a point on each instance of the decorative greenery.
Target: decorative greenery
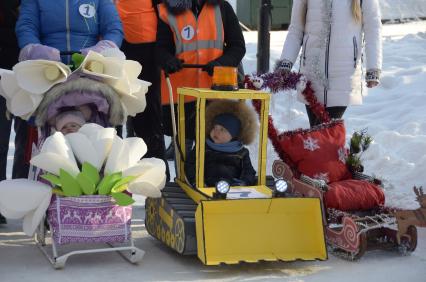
{"x": 76, "y": 59}
{"x": 358, "y": 144}
{"x": 89, "y": 182}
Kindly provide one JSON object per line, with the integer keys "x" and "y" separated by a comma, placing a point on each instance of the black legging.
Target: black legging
{"x": 334, "y": 112}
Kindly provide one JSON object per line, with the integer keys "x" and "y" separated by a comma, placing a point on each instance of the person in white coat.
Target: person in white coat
{"x": 332, "y": 36}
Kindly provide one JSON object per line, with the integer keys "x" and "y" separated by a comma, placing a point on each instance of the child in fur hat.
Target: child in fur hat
{"x": 69, "y": 121}
{"x": 229, "y": 125}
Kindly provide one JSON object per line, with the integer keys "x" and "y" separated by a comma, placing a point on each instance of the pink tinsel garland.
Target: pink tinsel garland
{"x": 279, "y": 81}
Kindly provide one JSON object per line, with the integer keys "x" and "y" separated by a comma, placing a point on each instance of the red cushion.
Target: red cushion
{"x": 350, "y": 195}
{"x": 318, "y": 152}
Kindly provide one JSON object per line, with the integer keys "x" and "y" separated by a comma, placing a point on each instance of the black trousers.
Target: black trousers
{"x": 8, "y": 58}
{"x": 20, "y": 167}
{"x": 148, "y": 124}
{"x": 334, "y": 112}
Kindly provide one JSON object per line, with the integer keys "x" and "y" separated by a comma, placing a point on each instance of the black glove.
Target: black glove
{"x": 173, "y": 65}
{"x": 209, "y": 67}
{"x": 178, "y": 6}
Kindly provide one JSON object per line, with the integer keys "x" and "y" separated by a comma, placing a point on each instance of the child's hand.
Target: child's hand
{"x": 238, "y": 182}
{"x": 372, "y": 83}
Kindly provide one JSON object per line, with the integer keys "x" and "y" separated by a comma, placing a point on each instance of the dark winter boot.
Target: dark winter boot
{"x": 2, "y": 219}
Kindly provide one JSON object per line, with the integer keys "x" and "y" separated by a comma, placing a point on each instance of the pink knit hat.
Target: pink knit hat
{"x": 70, "y": 116}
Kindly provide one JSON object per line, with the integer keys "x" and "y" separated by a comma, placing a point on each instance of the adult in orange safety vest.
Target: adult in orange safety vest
{"x": 195, "y": 32}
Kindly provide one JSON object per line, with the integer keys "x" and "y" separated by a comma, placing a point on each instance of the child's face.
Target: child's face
{"x": 220, "y": 134}
{"x": 70, "y": 128}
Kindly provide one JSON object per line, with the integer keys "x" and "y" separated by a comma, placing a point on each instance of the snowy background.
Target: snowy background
{"x": 391, "y": 9}
{"x": 394, "y": 115}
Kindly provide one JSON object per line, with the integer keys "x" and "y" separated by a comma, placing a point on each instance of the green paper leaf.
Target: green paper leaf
{"x": 86, "y": 184}
{"x": 70, "y": 186}
{"x": 58, "y": 192}
{"x": 77, "y": 59}
{"x": 122, "y": 199}
{"x": 121, "y": 185}
{"x": 53, "y": 179}
{"x": 106, "y": 184}
{"x": 90, "y": 172}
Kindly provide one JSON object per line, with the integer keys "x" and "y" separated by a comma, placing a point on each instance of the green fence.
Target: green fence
{"x": 248, "y": 13}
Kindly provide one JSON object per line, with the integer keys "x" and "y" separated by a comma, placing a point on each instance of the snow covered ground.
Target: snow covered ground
{"x": 394, "y": 115}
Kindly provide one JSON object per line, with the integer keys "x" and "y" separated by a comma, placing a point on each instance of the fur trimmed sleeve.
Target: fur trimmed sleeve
{"x": 295, "y": 32}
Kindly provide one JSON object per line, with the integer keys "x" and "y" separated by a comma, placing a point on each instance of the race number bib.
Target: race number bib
{"x": 187, "y": 32}
{"x": 87, "y": 10}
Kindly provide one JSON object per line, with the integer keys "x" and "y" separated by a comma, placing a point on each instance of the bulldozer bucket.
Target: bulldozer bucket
{"x": 288, "y": 229}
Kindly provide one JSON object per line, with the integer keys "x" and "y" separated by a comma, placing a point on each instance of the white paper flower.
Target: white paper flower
{"x": 24, "y": 198}
{"x": 83, "y": 149}
{"x": 122, "y": 76}
{"x": 151, "y": 179}
{"x": 102, "y": 148}
{"x": 38, "y": 76}
{"x": 18, "y": 101}
{"x": 136, "y": 102}
{"x": 56, "y": 153}
{"x": 108, "y": 68}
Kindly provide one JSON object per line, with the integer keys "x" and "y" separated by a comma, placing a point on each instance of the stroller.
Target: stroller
{"x": 349, "y": 234}
{"x": 105, "y": 90}
{"x": 84, "y": 219}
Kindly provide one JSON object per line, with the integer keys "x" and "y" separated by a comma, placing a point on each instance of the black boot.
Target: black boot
{"x": 2, "y": 219}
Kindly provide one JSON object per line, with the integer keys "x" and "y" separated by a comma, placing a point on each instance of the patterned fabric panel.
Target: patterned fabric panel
{"x": 88, "y": 219}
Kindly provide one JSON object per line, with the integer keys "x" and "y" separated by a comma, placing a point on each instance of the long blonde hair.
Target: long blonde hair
{"x": 356, "y": 10}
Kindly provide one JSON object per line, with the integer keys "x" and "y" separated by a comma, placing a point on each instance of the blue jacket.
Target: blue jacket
{"x": 68, "y": 25}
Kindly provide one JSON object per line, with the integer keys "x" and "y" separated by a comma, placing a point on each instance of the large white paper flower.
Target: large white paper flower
{"x": 24, "y": 87}
{"x": 151, "y": 177}
{"x": 102, "y": 148}
{"x": 23, "y": 198}
{"x": 108, "y": 68}
{"x": 122, "y": 76}
{"x": 18, "y": 101}
{"x": 38, "y": 76}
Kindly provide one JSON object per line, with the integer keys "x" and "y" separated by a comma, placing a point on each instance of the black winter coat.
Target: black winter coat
{"x": 235, "y": 167}
{"x": 234, "y": 49}
{"x": 9, "y": 49}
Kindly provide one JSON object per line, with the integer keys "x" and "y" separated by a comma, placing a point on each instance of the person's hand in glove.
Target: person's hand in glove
{"x": 209, "y": 67}
{"x": 39, "y": 52}
{"x": 173, "y": 65}
{"x": 107, "y": 48}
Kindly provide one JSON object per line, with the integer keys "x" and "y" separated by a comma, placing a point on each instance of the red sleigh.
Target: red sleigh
{"x": 349, "y": 234}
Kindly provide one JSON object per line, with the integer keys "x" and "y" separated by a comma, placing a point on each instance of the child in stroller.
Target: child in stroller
{"x": 69, "y": 121}
{"x": 84, "y": 100}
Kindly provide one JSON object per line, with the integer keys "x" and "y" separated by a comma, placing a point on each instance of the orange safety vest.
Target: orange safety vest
{"x": 197, "y": 41}
{"x": 139, "y": 20}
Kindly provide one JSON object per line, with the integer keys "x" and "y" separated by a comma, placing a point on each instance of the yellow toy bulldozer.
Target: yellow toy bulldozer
{"x": 260, "y": 223}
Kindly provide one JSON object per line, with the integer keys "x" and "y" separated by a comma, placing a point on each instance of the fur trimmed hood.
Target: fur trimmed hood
{"x": 178, "y": 6}
{"x": 116, "y": 113}
{"x": 246, "y": 115}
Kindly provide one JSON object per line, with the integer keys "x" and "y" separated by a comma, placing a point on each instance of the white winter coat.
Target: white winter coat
{"x": 331, "y": 42}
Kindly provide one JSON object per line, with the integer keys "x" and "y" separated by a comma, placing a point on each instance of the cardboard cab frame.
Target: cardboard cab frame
{"x": 253, "y": 226}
